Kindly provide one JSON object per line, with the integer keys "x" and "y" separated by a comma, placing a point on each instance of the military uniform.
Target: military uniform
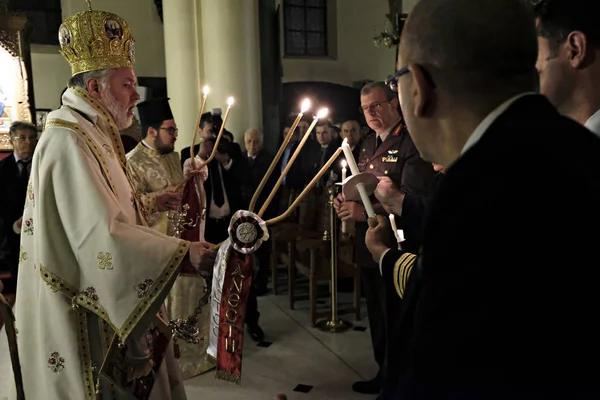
{"x": 398, "y": 158}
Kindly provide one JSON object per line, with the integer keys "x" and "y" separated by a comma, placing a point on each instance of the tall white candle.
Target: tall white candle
{"x": 364, "y": 196}
{"x": 350, "y": 157}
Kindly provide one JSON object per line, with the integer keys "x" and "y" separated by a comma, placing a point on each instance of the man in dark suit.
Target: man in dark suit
{"x": 501, "y": 299}
{"x": 350, "y": 130}
{"x": 14, "y": 175}
{"x": 390, "y": 152}
{"x": 316, "y": 153}
{"x": 259, "y": 161}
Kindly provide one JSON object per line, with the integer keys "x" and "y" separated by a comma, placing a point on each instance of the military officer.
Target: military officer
{"x": 389, "y": 152}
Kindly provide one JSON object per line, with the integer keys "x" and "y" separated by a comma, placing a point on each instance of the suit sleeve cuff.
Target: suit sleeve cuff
{"x": 381, "y": 261}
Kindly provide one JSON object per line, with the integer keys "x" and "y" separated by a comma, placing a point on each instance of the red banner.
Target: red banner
{"x": 190, "y": 197}
{"x": 236, "y": 286}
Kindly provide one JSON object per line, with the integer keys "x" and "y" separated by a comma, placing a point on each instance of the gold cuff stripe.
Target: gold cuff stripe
{"x": 60, "y": 123}
{"x": 402, "y": 270}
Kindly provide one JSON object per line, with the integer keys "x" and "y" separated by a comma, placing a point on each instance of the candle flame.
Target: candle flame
{"x": 230, "y": 101}
{"x": 322, "y": 113}
{"x": 344, "y": 163}
{"x": 345, "y": 142}
{"x": 205, "y": 90}
{"x": 305, "y": 106}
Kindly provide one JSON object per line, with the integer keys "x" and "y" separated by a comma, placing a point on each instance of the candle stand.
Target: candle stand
{"x": 334, "y": 324}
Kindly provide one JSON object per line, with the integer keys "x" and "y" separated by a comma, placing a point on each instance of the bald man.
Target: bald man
{"x": 502, "y": 300}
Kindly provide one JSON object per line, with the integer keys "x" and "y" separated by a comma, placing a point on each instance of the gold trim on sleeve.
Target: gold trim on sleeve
{"x": 60, "y": 123}
{"x": 153, "y": 292}
{"x": 402, "y": 270}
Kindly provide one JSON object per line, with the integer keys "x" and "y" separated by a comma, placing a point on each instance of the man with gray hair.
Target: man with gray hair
{"x": 259, "y": 161}
{"x": 477, "y": 322}
{"x": 14, "y": 175}
{"x": 93, "y": 276}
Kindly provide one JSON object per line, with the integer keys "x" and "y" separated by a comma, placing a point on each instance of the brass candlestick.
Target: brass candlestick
{"x": 335, "y": 324}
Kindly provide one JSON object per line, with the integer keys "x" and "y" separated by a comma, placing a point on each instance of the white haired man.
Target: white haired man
{"x": 93, "y": 275}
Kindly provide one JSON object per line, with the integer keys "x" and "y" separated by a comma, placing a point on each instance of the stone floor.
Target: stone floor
{"x": 294, "y": 356}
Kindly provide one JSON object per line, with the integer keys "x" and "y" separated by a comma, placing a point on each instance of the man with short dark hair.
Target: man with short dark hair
{"x": 569, "y": 58}
{"x": 478, "y": 321}
{"x": 389, "y": 153}
{"x": 154, "y": 166}
{"x": 14, "y": 175}
{"x": 206, "y": 131}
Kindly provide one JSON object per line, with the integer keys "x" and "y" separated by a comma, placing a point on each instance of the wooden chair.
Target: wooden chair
{"x": 11, "y": 333}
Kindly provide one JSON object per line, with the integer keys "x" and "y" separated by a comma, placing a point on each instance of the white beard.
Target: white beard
{"x": 118, "y": 112}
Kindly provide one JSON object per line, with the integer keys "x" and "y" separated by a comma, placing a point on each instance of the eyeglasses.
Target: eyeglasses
{"x": 374, "y": 106}
{"x": 392, "y": 80}
{"x": 172, "y": 131}
{"x": 25, "y": 138}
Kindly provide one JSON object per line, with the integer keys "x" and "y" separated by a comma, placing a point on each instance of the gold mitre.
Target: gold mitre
{"x": 95, "y": 40}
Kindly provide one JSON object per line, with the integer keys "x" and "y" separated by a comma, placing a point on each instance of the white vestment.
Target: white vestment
{"x": 90, "y": 270}
{"x": 151, "y": 174}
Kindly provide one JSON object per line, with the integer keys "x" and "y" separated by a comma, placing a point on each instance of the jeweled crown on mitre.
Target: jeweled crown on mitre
{"x": 94, "y": 40}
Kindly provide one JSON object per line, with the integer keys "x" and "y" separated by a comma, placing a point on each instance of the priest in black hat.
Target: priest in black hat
{"x": 154, "y": 166}
{"x": 155, "y": 170}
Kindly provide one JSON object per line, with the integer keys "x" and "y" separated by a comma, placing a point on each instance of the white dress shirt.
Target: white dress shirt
{"x": 224, "y": 210}
{"x": 593, "y": 124}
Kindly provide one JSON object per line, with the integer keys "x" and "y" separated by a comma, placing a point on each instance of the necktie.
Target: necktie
{"x": 378, "y": 142}
{"x": 251, "y": 160}
{"x": 217, "y": 185}
{"x": 24, "y": 170}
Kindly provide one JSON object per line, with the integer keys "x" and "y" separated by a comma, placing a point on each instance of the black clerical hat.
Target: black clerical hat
{"x": 154, "y": 111}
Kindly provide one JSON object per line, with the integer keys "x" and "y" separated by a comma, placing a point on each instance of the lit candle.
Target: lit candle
{"x": 321, "y": 114}
{"x": 205, "y": 91}
{"x": 350, "y": 157}
{"x": 364, "y": 196}
{"x": 303, "y": 108}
